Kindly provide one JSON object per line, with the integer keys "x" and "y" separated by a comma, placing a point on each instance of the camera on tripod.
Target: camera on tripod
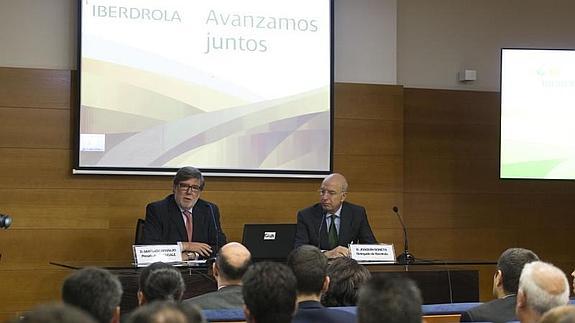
{"x": 5, "y": 221}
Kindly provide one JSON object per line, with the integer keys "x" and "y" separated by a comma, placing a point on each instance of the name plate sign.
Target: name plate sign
{"x": 372, "y": 252}
{"x": 145, "y": 255}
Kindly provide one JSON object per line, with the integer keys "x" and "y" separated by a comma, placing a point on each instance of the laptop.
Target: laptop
{"x": 269, "y": 241}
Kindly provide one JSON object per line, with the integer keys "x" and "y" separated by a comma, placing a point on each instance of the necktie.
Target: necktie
{"x": 189, "y": 224}
{"x": 332, "y": 233}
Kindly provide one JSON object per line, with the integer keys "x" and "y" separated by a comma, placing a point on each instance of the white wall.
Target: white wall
{"x": 38, "y": 33}
{"x": 365, "y": 41}
{"x": 42, "y": 33}
{"x": 436, "y": 38}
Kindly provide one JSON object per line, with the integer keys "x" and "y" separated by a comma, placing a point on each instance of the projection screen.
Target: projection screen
{"x": 233, "y": 87}
{"x": 537, "y": 114}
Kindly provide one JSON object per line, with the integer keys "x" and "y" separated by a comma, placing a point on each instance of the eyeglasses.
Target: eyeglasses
{"x": 328, "y": 192}
{"x": 189, "y": 188}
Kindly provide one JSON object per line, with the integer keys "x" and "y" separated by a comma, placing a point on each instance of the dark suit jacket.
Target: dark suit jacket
{"x": 499, "y": 310}
{"x": 311, "y": 226}
{"x": 314, "y": 312}
{"x": 165, "y": 224}
{"x": 224, "y": 298}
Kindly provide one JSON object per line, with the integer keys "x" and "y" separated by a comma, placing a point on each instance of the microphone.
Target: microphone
{"x": 5, "y": 221}
{"x": 405, "y": 257}
{"x": 217, "y": 230}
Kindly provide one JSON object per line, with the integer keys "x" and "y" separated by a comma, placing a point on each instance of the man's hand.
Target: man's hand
{"x": 201, "y": 248}
{"x": 337, "y": 252}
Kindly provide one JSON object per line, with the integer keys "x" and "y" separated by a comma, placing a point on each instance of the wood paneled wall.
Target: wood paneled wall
{"x": 65, "y": 217}
{"x": 455, "y": 204}
{"x": 432, "y": 153}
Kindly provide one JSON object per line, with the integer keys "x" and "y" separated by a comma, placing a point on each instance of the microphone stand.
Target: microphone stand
{"x": 405, "y": 257}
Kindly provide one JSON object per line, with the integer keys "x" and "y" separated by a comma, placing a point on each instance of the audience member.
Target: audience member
{"x": 96, "y": 291}
{"x": 542, "y": 287}
{"x": 164, "y": 284}
{"x": 505, "y": 285}
{"x": 144, "y": 274}
{"x": 309, "y": 266}
{"x": 389, "y": 299}
{"x": 230, "y": 266}
{"x": 166, "y": 312}
{"x": 559, "y": 314}
{"x": 55, "y": 313}
{"x": 269, "y": 291}
{"x": 346, "y": 276}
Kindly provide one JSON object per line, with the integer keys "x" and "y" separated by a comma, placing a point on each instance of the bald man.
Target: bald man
{"x": 332, "y": 224}
{"x": 230, "y": 266}
{"x": 542, "y": 287}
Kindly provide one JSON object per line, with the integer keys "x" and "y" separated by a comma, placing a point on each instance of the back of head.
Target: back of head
{"x": 309, "y": 266}
{"x": 164, "y": 284}
{"x": 560, "y": 314}
{"x": 95, "y": 290}
{"x": 55, "y": 313}
{"x": 233, "y": 261}
{"x": 511, "y": 263}
{"x": 269, "y": 291}
{"x": 166, "y": 312}
{"x": 543, "y": 286}
{"x": 389, "y": 299}
{"x": 346, "y": 277}
{"x": 146, "y": 271}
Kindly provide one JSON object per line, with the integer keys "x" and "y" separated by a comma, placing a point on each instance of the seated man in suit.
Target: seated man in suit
{"x": 269, "y": 290}
{"x": 542, "y": 287}
{"x": 505, "y": 285}
{"x": 389, "y": 299}
{"x": 184, "y": 218}
{"x": 332, "y": 224}
{"x": 231, "y": 264}
{"x": 309, "y": 266}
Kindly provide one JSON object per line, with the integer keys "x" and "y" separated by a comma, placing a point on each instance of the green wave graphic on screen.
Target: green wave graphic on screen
{"x": 529, "y": 169}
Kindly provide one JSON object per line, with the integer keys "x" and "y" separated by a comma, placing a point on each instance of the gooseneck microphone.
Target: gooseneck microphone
{"x": 405, "y": 257}
{"x": 5, "y": 221}
{"x": 215, "y": 252}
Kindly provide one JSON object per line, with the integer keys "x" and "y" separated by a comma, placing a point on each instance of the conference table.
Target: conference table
{"x": 440, "y": 281}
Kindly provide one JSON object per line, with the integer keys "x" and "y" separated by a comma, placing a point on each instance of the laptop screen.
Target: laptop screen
{"x": 269, "y": 241}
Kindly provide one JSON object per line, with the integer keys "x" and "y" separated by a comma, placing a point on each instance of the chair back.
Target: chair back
{"x": 139, "y": 239}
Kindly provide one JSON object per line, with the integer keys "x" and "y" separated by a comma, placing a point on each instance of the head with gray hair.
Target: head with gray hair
{"x": 95, "y": 290}
{"x": 542, "y": 287}
{"x": 189, "y": 172}
{"x": 560, "y": 314}
{"x": 333, "y": 191}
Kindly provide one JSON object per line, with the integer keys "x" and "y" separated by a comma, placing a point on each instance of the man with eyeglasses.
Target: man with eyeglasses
{"x": 332, "y": 224}
{"x": 185, "y": 219}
